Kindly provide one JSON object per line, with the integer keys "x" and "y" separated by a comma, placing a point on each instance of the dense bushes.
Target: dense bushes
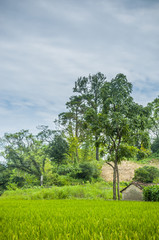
{"x": 146, "y": 174}
{"x": 60, "y": 175}
{"x": 85, "y": 171}
{"x": 151, "y": 193}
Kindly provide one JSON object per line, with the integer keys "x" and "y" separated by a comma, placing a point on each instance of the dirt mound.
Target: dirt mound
{"x": 126, "y": 170}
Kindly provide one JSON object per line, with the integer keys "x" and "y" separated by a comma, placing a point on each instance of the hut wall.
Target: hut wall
{"x": 132, "y": 193}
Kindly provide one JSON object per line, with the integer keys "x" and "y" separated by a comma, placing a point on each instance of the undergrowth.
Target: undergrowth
{"x": 86, "y": 191}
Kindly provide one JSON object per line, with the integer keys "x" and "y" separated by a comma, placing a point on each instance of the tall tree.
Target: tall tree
{"x": 89, "y": 88}
{"x": 72, "y": 120}
{"x": 120, "y": 119}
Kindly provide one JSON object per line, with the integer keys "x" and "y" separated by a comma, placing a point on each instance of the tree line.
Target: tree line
{"x": 101, "y": 121}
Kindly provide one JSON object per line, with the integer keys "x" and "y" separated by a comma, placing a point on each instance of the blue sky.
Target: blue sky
{"x": 45, "y": 45}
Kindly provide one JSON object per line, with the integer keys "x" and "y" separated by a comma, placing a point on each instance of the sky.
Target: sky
{"x": 46, "y": 45}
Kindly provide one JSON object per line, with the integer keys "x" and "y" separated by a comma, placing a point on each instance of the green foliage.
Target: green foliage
{"x": 85, "y": 171}
{"x": 24, "y": 152}
{"x": 68, "y": 169}
{"x": 12, "y": 186}
{"x": 121, "y": 121}
{"x": 61, "y": 180}
{"x": 30, "y": 156}
{"x": 155, "y": 146}
{"x": 73, "y": 148}
{"x": 20, "y": 179}
{"x": 101, "y": 114}
{"x": 155, "y": 117}
{"x": 89, "y": 90}
{"x": 72, "y": 120}
{"x": 87, "y": 151}
{"x": 156, "y": 180}
{"x": 88, "y": 171}
{"x": 151, "y": 193}
{"x": 4, "y": 177}
{"x": 143, "y": 153}
{"x": 126, "y": 152}
{"x": 58, "y": 149}
{"x": 146, "y": 174}
{"x": 82, "y": 220}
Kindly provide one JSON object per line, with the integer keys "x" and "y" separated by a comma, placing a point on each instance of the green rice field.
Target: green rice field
{"x": 78, "y": 220}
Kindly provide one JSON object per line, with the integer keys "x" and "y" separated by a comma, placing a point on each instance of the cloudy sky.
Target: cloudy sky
{"x": 45, "y": 45}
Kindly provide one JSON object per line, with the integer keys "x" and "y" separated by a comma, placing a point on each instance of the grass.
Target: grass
{"x": 100, "y": 190}
{"x": 78, "y": 220}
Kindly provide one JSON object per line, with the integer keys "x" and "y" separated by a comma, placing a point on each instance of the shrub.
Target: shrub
{"x": 67, "y": 169}
{"x": 58, "y": 180}
{"x": 146, "y": 174}
{"x": 87, "y": 171}
{"x": 151, "y": 193}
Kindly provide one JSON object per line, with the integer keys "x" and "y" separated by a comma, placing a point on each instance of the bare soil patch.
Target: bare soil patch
{"x": 126, "y": 170}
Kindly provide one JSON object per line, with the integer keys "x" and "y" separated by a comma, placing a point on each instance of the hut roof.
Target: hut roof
{"x": 137, "y": 184}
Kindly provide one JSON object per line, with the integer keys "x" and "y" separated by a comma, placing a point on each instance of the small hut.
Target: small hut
{"x": 134, "y": 191}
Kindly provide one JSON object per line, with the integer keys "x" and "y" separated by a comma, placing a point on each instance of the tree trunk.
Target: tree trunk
{"x": 114, "y": 180}
{"x": 41, "y": 180}
{"x": 77, "y": 157}
{"x": 118, "y": 188}
{"x": 97, "y": 153}
{"x": 97, "y": 148}
{"x": 76, "y": 134}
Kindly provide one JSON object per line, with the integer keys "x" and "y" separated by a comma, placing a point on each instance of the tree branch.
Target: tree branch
{"x": 110, "y": 164}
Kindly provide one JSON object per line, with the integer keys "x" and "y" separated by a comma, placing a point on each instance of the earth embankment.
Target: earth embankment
{"x": 126, "y": 170}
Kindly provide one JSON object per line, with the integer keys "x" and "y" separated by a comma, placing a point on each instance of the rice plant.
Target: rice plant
{"x": 78, "y": 220}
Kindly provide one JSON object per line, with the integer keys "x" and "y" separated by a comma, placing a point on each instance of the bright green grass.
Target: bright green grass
{"x": 88, "y": 191}
{"x": 78, "y": 220}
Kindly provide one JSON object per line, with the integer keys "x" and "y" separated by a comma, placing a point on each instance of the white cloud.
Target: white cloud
{"x": 46, "y": 45}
